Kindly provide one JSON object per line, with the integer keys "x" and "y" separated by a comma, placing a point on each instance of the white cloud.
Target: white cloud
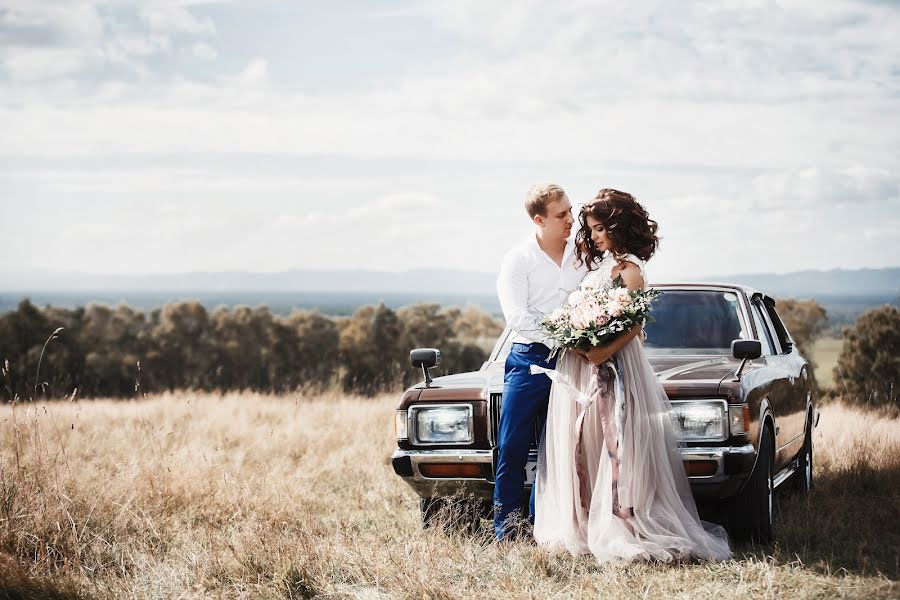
{"x": 256, "y": 72}
{"x": 815, "y": 187}
{"x": 172, "y": 17}
{"x": 202, "y": 50}
{"x": 46, "y": 40}
{"x": 71, "y": 21}
{"x": 698, "y": 85}
{"x": 187, "y": 181}
{"x": 742, "y": 115}
{"x": 33, "y": 64}
{"x": 889, "y": 230}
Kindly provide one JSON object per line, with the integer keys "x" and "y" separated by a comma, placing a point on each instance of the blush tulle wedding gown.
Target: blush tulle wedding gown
{"x": 610, "y": 478}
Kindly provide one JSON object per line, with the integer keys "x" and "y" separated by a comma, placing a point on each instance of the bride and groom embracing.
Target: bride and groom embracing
{"x": 610, "y": 480}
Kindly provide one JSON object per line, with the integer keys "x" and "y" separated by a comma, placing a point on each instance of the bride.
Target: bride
{"x": 610, "y": 479}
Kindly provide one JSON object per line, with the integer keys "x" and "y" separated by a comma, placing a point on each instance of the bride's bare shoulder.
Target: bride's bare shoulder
{"x": 631, "y": 273}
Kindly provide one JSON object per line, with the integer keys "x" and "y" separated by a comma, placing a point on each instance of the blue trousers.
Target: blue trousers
{"x": 525, "y": 398}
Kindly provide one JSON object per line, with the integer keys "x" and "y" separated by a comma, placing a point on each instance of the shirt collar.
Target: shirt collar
{"x": 567, "y": 253}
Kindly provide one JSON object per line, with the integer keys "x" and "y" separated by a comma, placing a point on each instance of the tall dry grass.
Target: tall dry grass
{"x": 247, "y": 496}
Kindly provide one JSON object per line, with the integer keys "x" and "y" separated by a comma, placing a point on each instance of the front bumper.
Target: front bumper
{"x": 733, "y": 464}
{"x": 407, "y": 464}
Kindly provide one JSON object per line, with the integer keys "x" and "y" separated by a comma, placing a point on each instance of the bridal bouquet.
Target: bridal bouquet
{"x": 596, "y": 316}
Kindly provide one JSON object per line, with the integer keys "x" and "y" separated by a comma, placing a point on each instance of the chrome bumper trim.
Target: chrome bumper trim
{"x": 427, "y": 486}
{"x": 716, "y": 453}
{"x": 419, "y": 457}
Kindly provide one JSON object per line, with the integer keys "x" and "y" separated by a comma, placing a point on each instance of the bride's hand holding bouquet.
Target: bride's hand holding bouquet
{"x": 598, "y": 322}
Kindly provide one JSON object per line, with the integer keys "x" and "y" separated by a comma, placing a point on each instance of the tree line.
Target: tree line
{"x": 868, "y": 365}
{"x": 125, "y": 353}
{"x": 121, "y": 352}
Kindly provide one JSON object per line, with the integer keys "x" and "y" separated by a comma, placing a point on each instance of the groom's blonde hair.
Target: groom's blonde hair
{"x": 540, "y": 196}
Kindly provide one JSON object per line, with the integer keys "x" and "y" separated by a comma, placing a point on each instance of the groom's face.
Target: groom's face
{"x": 558, "y": 221}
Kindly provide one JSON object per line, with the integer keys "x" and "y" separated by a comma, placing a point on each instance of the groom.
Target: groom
{"x": 535, "y": 278}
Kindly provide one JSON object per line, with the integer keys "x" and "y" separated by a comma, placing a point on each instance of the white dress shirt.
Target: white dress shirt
{"x": 531, "y": 285}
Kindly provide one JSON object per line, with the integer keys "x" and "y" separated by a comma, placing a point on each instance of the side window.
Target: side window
{"x": 784, "y": 339}
{"x": 765, "y": 338}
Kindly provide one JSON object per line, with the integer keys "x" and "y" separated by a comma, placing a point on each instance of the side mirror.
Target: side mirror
{"x": 745, "y": 350}
{"x": 425, "y": 358}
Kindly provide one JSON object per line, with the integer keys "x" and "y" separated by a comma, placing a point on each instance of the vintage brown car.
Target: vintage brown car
{"x": 742, "y": 398}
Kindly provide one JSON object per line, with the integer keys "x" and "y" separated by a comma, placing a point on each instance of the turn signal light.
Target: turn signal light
{"x": 700, "y": 468}
{"x": 400, "y": 425}
{"x": 739, "y": 418}
{"x": 448, "y": 470}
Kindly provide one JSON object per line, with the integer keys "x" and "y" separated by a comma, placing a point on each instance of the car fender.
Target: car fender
{"x": 765, "y": 416}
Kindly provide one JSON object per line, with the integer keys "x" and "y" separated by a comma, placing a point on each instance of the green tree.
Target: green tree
{"x": 805, "y": 320}
{"x": 473, "y": 325}
{"x": 111, "y": 342}
{"x": 464, "y": 337}
{"x": 869, "y": 363}
{"x": 180, "y": 354}
{"x": 373, "y": 354}
{"x": 316, "y": 354}
{"x": 244, "y": 347}
{"x": 22, "y": 335}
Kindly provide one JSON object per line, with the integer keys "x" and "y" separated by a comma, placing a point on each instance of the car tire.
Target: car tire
{"x": 753, "y": 510}
{"x": 453, "y": 514}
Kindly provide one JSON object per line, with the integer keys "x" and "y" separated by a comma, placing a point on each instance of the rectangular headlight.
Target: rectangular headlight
{"x": 443, "y": 424}
{"x": 400, "y": 425}
{"x": 700, "y": 420}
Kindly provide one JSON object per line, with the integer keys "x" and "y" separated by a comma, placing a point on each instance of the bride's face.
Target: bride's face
{"x": 599, "y": 235}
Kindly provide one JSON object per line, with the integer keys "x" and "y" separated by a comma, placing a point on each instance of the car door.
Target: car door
{"x": 790, "y": 387}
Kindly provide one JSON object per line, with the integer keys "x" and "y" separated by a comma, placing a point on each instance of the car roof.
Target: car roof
{"x": 746, "y": 289}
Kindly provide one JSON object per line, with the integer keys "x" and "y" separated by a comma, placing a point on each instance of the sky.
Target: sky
{"x": 169, "y": 136}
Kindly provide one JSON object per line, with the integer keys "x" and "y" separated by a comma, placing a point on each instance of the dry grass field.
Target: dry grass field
{"x": 245, "y": 496}
{"x": 825, "y": 352}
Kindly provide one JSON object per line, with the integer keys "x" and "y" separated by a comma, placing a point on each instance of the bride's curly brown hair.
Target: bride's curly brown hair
{"x": 628, "y": 225}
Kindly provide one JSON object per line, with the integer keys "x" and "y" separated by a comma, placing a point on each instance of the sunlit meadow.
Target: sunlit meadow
{"x": 195, "y": 495}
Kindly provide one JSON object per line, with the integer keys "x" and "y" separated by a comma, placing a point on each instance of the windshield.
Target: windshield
{"x": 694, "y": 322}
{"x": 687, "y": 322}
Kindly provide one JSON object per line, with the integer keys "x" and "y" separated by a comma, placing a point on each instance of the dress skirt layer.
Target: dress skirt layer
{"x": 610, "y": 478}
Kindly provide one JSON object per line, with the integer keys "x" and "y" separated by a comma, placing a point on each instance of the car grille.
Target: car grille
{"x": 493, "y": 409}
{"x": 495, "y": 402}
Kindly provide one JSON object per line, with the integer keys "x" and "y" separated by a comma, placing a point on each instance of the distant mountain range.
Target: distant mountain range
{"x": 835, "y": 282}
{"x": 861, "y": 282}
{"x": 844, "y": 294}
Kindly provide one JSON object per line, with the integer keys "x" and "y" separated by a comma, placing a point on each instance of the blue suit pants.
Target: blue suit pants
{"x": 524, "y": 408}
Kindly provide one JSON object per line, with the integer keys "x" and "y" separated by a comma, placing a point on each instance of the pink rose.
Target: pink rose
{"x": 579, "y": 318}
{"x": 614, "y": 308}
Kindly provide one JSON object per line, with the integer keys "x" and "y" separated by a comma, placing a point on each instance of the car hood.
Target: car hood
{"x": 692, "y": 368}
{"x": 681, "y": 376}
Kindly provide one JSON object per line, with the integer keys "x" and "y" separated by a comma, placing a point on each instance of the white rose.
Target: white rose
{"x": 577, "y": 297}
